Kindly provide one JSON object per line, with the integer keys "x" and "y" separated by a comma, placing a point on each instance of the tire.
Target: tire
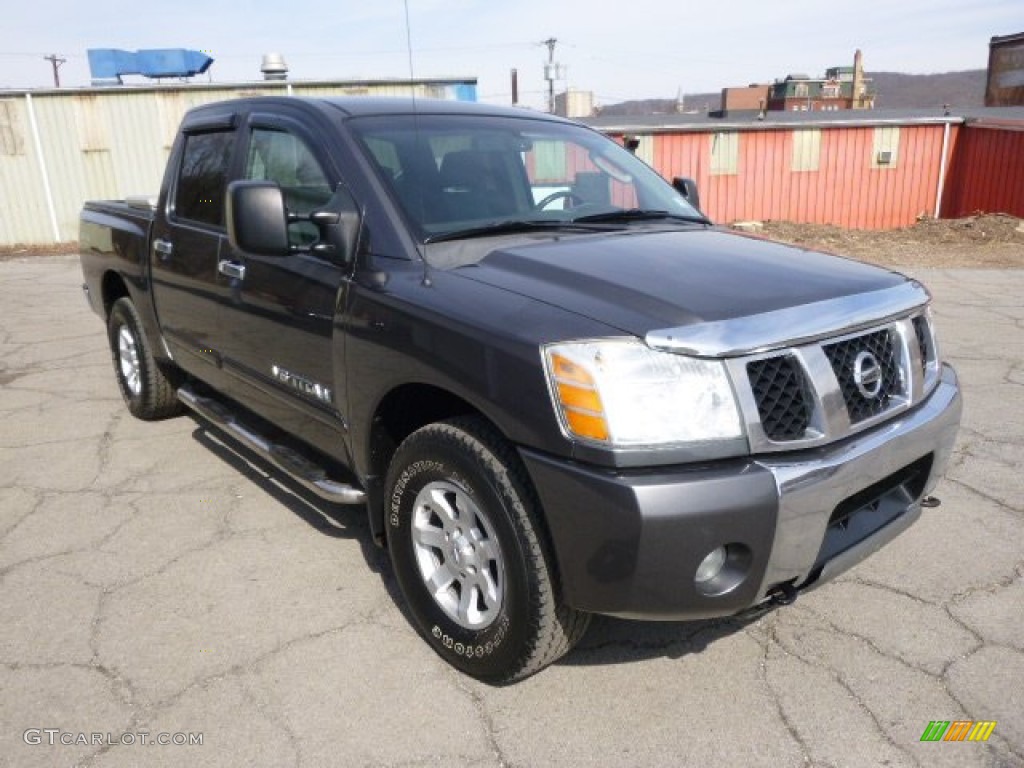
{"x": 148, "y": 389}
{"x": 462, "y": 517}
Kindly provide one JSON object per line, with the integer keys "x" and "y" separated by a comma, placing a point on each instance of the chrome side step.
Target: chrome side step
{"x": 296, "y": 466}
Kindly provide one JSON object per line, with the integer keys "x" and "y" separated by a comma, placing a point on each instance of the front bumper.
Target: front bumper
{"x": 629, "y": 543}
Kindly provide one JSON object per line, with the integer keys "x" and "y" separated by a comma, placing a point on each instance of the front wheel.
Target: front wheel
{"x": 469, "y": 554}
{"x": 148, "y": 389}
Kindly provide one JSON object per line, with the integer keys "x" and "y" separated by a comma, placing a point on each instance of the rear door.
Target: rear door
{"x": 188, "y": 236}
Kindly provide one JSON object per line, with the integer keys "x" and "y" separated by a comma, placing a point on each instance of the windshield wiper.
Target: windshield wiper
{"x": 508, "y": 227}
{"x": 640, "y": 214}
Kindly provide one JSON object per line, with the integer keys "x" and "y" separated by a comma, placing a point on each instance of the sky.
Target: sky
{"x": 620, "y": 51}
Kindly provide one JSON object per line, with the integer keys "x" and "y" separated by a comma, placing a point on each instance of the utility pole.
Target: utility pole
{"x": 56, "y": 61}
{"x": 551, "y": 72}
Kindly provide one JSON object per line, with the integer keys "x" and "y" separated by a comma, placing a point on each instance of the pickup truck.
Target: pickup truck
{"x": 555, "y": 387}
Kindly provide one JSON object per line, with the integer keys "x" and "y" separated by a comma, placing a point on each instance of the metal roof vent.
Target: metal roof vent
{"x": 273, "y": 67}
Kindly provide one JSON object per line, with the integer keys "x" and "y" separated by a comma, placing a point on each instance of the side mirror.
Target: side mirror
{"x": 256, "y": 217}
{"x": 688, "y": 189}
{"x": 338, "y": 221}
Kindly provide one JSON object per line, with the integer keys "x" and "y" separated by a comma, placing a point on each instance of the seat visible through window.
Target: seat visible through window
{"x": 477, "y": 184}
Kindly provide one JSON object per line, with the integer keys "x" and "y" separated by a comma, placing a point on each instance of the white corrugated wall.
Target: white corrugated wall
{"x": 112, "y": 143}
{"x": 23, "y": 212}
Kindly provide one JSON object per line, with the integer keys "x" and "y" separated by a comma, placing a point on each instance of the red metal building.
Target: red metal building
{"x": 878, "y": 169}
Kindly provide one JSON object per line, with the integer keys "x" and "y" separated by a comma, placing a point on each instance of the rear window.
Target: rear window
{"x": 203, "y": 177}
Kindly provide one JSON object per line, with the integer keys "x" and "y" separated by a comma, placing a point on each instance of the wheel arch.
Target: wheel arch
{"x": 112, "y": 288}
{"x": 116, "y": 285}
{"x": 398, "y": 414}
{"x": 402, "y": 411}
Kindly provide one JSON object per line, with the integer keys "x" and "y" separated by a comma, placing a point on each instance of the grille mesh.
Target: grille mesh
{"x": 780, "y": 391}
{"x": 843, "y": 356}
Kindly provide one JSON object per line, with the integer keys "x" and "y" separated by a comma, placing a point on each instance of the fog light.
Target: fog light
{"x": 710, "y": 566}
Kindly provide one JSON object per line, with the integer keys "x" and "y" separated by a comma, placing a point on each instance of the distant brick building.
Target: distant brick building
{"x": 841, "y": 88}
{"x": 753, "y": 98}
{"x": 1005, "y": 85}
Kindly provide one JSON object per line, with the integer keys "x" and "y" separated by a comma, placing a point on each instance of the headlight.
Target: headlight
{"x": 623, "y": 393}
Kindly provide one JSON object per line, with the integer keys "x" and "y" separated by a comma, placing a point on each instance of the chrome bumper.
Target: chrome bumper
{"x": 811, "y": 487}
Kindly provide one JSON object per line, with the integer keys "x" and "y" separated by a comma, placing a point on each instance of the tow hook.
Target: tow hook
{"x": 930, "y": 502}
{"x": 783, "y": 594}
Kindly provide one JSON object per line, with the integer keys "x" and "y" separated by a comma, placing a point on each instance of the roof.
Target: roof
{"x": 776, "y": 120}
{"x": 371, "y": 106}
{"x": 374, "y": 105}
{"x": 1016, "y": 38}
{"x": 244, "y": 85}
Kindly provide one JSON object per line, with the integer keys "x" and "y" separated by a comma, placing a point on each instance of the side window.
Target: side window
{"x": 203, "y": 178}
{"x": 282, "y": 157}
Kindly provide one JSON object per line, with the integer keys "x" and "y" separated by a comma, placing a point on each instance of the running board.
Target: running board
{"x": 293, "y": 464}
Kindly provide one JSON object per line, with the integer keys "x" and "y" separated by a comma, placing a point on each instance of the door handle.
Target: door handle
{"x": 163, "y": 247}
{"x": 231, "y": 269}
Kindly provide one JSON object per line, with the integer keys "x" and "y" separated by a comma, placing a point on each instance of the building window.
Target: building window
{"x": 12, "y": 142}
{"x": 885, "y": 150}
{"x": 550, "y": 160}
{"x": 806, "y": 150}
{"x": 725, "y": 153}
{"x": 93, "y": 132}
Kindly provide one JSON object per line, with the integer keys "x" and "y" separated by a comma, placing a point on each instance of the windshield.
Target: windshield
{"x": 466, "y": 174}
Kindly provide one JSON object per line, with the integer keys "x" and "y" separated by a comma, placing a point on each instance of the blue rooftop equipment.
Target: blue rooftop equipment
{"x": 106, "y": 65}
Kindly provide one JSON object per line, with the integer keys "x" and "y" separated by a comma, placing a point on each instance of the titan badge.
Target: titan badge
{"x": 302, "y": 384}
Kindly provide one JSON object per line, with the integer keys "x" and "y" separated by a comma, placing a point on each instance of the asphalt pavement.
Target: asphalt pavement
{"x": 156, "y": 586}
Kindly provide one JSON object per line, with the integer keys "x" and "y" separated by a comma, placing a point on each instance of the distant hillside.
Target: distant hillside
{"x": 663, "y": 106}
{"x": 895, "y": 90}
{"x": 958, "y": 89}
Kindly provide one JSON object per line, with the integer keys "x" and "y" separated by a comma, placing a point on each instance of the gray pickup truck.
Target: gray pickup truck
{"x": 554, "y": 386}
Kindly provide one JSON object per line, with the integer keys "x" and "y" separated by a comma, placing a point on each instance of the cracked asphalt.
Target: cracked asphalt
{"x": 154, "y": 581}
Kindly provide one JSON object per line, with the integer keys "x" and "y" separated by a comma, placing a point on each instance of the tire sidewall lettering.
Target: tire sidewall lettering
{"x": 471, "y": 650}
{"x": 411, "y": 473}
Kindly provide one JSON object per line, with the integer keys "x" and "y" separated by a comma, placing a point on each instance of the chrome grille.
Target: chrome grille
{"x": 847, "y": 358}
{"x": 810, "y": 375}
{"x": 921, "y": 332}
{"x": 780, "y": 391}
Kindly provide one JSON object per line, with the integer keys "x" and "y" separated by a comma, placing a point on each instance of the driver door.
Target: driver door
{"x": 278, "y": 323}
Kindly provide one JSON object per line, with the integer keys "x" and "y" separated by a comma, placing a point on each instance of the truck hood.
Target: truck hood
{"x": 641, "y": 281}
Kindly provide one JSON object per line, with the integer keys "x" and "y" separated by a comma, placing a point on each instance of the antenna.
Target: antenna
{"x": 408, "y": 48}
{"x": 416, "y": 124}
